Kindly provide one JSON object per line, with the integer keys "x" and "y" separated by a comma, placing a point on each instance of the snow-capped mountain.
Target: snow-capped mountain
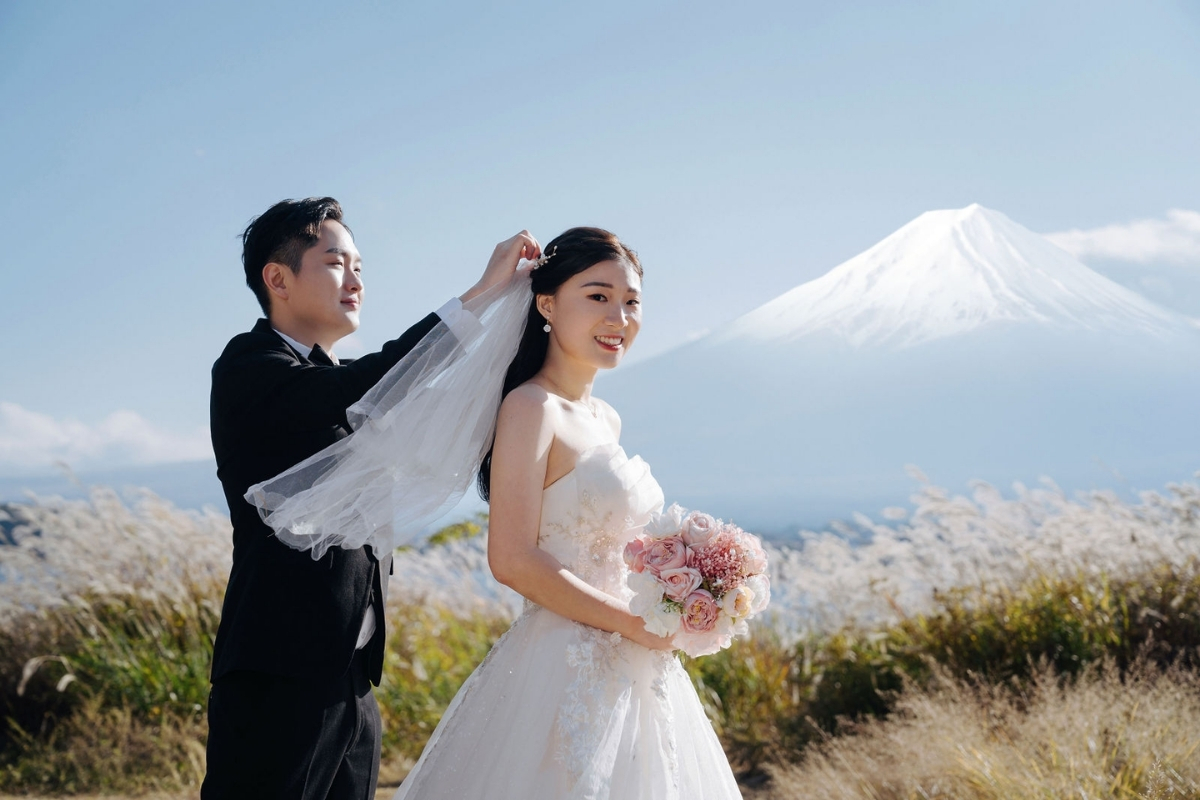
{"x": 947, "y": 273}
{"x": 963, "y": 343}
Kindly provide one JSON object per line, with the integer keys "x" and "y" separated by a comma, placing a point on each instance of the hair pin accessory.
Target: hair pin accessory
{"x": 545, "y": 257}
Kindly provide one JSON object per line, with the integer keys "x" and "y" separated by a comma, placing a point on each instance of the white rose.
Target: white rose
{"x": 668, "y": 523}
{"x": 662, "y": 621}
{"x": 760, "y": 585}
{"x": 647, "y": 592}
{"x": 644, "y": 583}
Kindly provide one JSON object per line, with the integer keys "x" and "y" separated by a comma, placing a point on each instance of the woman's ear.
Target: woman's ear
{"x": 545, "y": 306}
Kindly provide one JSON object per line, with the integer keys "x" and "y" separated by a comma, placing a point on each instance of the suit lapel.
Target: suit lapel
{"x": 264, "y": 326}
{"x": 319, "y": 356}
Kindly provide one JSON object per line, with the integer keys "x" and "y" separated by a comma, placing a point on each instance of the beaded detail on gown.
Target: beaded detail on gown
{"x": 560, "y": 710}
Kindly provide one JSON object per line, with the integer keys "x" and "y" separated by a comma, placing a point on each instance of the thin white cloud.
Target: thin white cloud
{"x": 1174, "y": 240}
{"x": 33, "y": 441}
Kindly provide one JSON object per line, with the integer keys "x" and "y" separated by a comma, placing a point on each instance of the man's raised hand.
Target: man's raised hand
{"x": 503, "y": 262}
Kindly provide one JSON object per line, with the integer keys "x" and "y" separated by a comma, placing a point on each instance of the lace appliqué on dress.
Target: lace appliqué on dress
{"x": 667, "y": 664}
{"x": 579, "y": 729}
{"x": 599, "y": 541}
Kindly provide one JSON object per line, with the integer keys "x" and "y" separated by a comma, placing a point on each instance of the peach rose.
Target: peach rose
{"x": 698, "y": 528}
{"x": 669, "y": 553}
{"x": 680, "y": 582}
{"x": 700, "y": 612}
{"x": 739, "y": 602}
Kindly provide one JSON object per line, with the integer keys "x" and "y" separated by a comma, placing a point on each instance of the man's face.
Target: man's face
{"x": 326, "y": 295}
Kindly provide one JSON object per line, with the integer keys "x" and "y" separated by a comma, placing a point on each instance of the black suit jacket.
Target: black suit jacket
{"x": 284, "y": 613}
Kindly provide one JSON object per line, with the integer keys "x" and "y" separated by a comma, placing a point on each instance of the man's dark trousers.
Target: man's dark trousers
{"x": 293, "y": 738}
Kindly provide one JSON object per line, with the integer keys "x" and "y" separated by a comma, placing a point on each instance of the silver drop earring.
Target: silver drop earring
{"x": 546, "y": 327}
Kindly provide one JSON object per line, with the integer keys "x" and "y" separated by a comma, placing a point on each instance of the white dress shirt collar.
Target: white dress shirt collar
{"x": 304, "y": 350}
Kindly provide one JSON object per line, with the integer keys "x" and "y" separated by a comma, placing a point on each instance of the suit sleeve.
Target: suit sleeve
{"x": 284, "y": 394}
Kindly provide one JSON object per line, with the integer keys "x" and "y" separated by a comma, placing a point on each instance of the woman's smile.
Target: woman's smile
{"x": 610, "y": 343}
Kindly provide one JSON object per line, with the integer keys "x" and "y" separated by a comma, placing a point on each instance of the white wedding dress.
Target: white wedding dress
{"x": 561, "y": 710}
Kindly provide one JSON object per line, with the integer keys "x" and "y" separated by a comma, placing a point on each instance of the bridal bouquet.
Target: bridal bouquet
{"x": 696, "y": 578}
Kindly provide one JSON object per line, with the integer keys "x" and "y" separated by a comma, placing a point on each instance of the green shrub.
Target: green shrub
{"x": 131, "y": 716}
{"x": 999, "y": 634}
{"x": 430, "y": 653}
{"x": 105, "y": 748}
{"x": 768, "y": 702}
{"x": 748, "y": 691}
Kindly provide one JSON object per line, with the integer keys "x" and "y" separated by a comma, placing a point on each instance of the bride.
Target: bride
{"x": 576, "y": 699}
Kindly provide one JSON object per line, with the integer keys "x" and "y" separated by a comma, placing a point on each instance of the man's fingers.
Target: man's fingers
{"x": 532, "y": 248}
{"x": 525, "y": 245}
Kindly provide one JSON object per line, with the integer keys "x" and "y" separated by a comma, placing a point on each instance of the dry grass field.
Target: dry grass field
{"x": 980, "y": 647}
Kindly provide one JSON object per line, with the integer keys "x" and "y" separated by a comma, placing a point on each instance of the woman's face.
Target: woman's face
{"x": 595, "y": 315}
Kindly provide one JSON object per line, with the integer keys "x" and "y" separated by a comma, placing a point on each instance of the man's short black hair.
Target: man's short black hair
{"x": 281, "y": 234}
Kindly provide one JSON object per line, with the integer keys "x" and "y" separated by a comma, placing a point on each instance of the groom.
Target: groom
{"x": 291, "y": 714}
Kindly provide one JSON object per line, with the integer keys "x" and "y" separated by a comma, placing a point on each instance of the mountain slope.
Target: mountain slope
{"x": 946, "y": 273}
{"x": 963, "y": 343}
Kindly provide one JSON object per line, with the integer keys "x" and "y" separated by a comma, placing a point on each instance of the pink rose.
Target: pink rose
{"x": 700, "y": 612}
{"x": 635, "y": 555}
{"x": 698, "y": 528}
{"x": 680, "y": 582}
{"x": 669, "y": 553}
{"x": 708, "y": 642}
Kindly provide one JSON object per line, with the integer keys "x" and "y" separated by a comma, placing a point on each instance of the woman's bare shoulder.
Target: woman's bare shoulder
{"x": 527, "y": 395}
{"x": 528, "y": 403}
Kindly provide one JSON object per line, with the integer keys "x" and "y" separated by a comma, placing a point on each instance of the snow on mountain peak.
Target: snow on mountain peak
{"x": 947, "y": 273}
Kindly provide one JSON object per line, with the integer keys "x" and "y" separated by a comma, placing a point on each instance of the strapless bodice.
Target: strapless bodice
{"x": 591, "y": 513}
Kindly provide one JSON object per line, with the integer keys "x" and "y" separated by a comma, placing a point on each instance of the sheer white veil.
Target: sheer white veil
{"x": 419, "y": 437}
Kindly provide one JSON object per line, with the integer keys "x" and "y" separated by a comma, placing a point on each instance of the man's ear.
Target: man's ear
{"x": 545, "y": 305}
{"x": 276, "y": 277}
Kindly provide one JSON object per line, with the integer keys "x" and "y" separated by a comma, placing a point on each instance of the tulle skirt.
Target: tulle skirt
{"x": 559, "y": 710}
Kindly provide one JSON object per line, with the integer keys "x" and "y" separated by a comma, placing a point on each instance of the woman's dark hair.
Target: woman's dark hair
{"x": 570, "y": 253}
{"x": 281, "y": 234}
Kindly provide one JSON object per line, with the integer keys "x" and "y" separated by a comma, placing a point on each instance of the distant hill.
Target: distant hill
{"x": 188, "y": 484}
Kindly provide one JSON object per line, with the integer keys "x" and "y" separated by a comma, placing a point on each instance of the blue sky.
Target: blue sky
{"x": 741, "y": 149}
